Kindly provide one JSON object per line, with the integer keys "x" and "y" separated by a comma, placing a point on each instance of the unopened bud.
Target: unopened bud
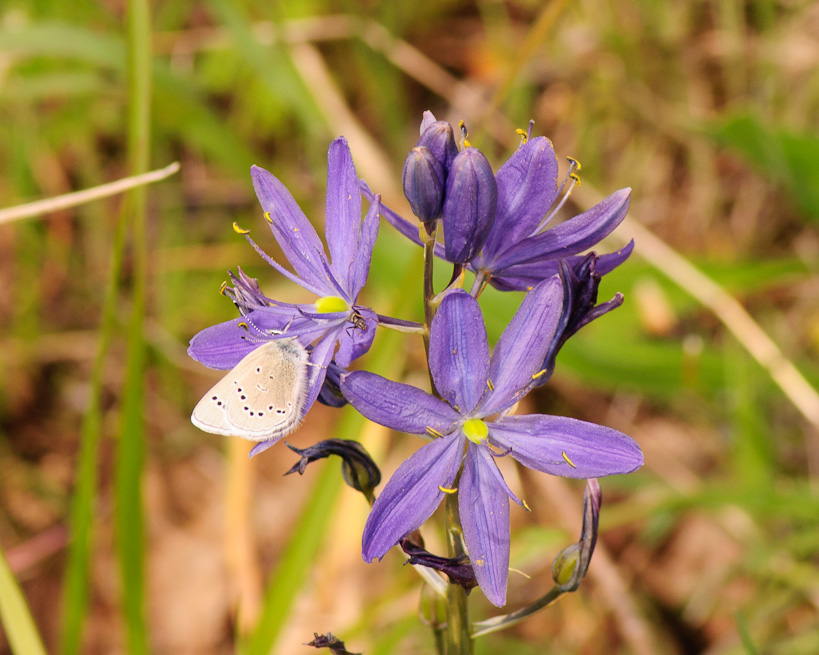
{"x": 470, "y": 206}
{"x": 424, "y": 180}
{"x": 439, "y": 137}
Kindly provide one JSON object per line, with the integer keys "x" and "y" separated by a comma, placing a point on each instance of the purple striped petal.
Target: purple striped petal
{"x": 224, "y": 345}
{"x": 484, "y": 510}
{"x": 459, "y": 351}
{"x": 395, "y": 405}
{"x": 343, "y": 210}
{"x": 523, "y": 345}
{"x": 571, "y": 237}
{"x": 565, "y": 446}
{"x": 523, "y": 277}
{"x": 354, "y": 341}
{"x": 412, "y": 495}
{"x": 296, "y": 236}
{"x": 527, "y": 185}
{"x": 360, "y": 267}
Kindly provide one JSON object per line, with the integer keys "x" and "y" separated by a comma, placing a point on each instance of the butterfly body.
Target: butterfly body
{"x": 261, "y": 398}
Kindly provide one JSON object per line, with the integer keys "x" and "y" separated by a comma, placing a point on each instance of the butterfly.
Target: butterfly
{"x": 262, "y": 397}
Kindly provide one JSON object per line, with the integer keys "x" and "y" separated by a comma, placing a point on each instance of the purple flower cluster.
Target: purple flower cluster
{"x": 494, "y": 224}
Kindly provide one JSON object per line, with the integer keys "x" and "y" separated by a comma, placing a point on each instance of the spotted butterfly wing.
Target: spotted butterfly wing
{"x": 262, "y": 397}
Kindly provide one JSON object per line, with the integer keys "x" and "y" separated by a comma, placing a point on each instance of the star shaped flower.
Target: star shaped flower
{"x": 520, "y": 251}
{"x": 470, "y": 427}
{"x": 333, "y": 327}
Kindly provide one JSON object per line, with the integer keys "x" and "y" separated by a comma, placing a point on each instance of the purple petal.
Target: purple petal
{"x": 484, "y": 510}
{"x": 459, "y": 351}
{"x": 571, "y": 237}
{"x": 360, "y": 268}
{"x": 356, "y": 336}
{"x": 411, "y": 495}
{"x": 523, "y": 345}
{"x": 296, "y": 236}
{"x": 565, "y": 446}
{"x": 343, "y": 210}
{"x": 222, "y": 346}
{"x": 523, "y": 277}
{"x": 320, "y": 358}
{"x": 527, "y": 185}
{"x": 398, "y": 406}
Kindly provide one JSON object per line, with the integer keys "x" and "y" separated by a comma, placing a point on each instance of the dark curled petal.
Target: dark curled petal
{"x": 360, "y": 471}
{"x": 580, "y": 284}
{"x": 330, "y": 641}
{"x": 330, "y": 393}
{"x": 423, "y": 180}
{"x": 457, "y": 569}
{"x": 470, "y": 206}
{"x": 571, "y": 564}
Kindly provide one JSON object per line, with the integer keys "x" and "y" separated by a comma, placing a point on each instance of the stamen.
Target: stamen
{"x": 524, "y": 137}
{"x": 239, "y": 230}
{"x": 540, "y": 373}
{"x": 490, "y": 385}
{"x": 268, "y": 218}
{"x": 433, "y": 432}
{"x": 448, "y": 491}
{"x": 573, "y": 162}
{"x": 526, "y": 505}
{"x": 568, "y": 461}
{"x": 243, "y": 325}
{"x": 465, "y": 143}
{"x": 222, "y": 289}
{"x": 575, "y": 181}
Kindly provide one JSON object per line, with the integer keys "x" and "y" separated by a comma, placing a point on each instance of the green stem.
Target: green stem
{"x": 458, "y": 638}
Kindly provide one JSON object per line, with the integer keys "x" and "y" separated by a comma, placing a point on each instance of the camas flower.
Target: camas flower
{"x": 334, "y": 324}
{"x": 519, "y": 251}
{"x": 474, "y": 387}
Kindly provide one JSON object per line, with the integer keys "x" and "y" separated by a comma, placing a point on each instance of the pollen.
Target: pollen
{"x": 222, "y": 288}
{"x": 489, "y": 384}
{"x": 447, "y": 490}
{"x": 331, "y": 305}
{"x": 568, "y": 461}
{"x": 523, "y": 134}
{"x": 476, "y": 430}
{"x": 243, "y": 325}
{"x": 574, "y": 162}
{"x": 268, "y": 218}
{"x": 576, "y": 178}
{"x": 239, "y": 230}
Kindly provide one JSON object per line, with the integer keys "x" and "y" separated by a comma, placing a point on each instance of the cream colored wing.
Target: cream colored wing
{"x": 261, "y": 398}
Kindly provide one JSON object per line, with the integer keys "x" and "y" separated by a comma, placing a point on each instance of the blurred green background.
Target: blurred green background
{"x": 708, "y": 110}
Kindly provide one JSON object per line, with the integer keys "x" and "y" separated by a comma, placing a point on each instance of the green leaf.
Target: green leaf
{"x": 789, "y": 158}
{"x": 15, "y": 616}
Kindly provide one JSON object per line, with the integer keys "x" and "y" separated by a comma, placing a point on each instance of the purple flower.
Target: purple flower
{"x": 334, "y": 324}
{"x": 475, "y": 386}
{"x": 519, "y": 251}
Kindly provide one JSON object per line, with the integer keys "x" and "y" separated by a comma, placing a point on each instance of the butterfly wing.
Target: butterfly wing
{"x": 261, "y": 398}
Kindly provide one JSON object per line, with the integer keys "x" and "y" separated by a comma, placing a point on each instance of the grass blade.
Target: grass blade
{"x": 15, "y": 616}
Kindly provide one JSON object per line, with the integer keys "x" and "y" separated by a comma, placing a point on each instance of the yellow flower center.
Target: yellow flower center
{"x": 331, "y": 305}
{"x": 475, "y": 430}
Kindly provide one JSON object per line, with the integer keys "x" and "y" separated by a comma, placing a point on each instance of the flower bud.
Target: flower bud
{"x": 424, "y": 179}
{"x": 571, "y": 564}
{"x": 439, "y": 137}
{"x": 470, "y": 206}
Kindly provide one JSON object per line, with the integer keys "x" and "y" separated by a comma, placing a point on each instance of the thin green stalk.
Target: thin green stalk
{"x": 130, "y": 455}
{"x": 458, "y": 638}
{"x": 74, "y": 601}
{"x": 15, "y": 617}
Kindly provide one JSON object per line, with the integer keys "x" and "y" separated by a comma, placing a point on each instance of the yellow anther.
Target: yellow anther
{"x": 267, "y": 217}
{"x": 243, "y": 325}
{"x": 432, "y": 432}
{"x": 523, "y": 134}
{"x": 490, "y": 385}
{"x": 526, "y": 506}
{"x": 239, "y": 230}
{"x": 222, "y": 288}
{"x": 539, "y": 374}
{"x": 576, "y": 178}
{"x": 448, "y": 491}
{"x": 576, "y": 163}
{"x": 568, "y": 461}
